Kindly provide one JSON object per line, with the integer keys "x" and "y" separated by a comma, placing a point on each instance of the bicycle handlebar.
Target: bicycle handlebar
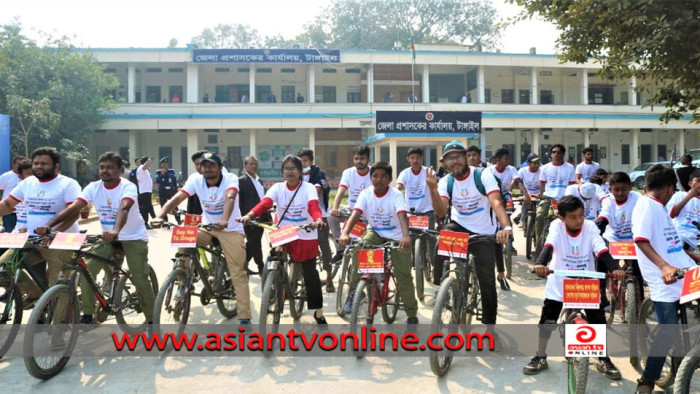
{"x": 308, "y": 227}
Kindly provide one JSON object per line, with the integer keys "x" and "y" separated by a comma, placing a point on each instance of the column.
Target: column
{"x": 252, "y": 137}
{"x": 312, "y": 139}
{"x": 377, "y": 153}
{"x": 134, "y": 150}
{"x": 515, "y": 154}
{"x": 192, "y": 83}
{"x": 533, "y": 86}
{"x": 251, "y": 83}
{"x": 584, "y": 86}
{"x": 312, "y": 83}
{"x": 438, "y": 150}
{"x": 681, "y": 143}
{"x": 536, "y": 141}
{"x": 192, "y": 146}
{"x": 370, "y": 83}
{"x": 631, "y": 93}
{"x": 482, "y": 143}
{"x": 480, "y": 85}
{"x": 392, "y": 158}
{"x": 634, "y": 149}
{"x": 425, "y": 94}
{"x": 131, "y": 84}
{"x": 586, "y": 139}
{"x": 655, "y": 144}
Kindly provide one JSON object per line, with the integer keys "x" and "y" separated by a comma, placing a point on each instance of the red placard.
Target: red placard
{"x": 68, "y": 241}
{"x": 534, "y": 197}
{"x": 422, "y": 222}
{"x": 554, "y": 205}
{"x": 192, "y": 220}
{"x": 358, "y": 230}
{"x": 370, "y": 261}
{"x": 622, "y": 250}
{"x": 691, "y": 285}
{"x": 13, "y": 240}
{"x": 453, "y": 244}
{"x": 582, "y": 293}
{"x": 283, "y": 235}
{"x": 509, "y": 204}
{"x": 184, "y": 237}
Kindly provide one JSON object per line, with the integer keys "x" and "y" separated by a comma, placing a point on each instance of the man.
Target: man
{"x": 590, "y": 195}
{"x": 218, "y": 194}
{"x": 529, "y": 180}
{"x": 683, "y": 173}
{"x": 166, "y": 181}
{"x": 113, "y": 198}
{"x": 474, "y": 157}
{"x": 316, "y": 176}
{"x": 684, "y": 209}
{"x": 193, "y": 205}
{"x": 472, "y": 212}
{"x": 354, "y": 180}
{"x": 412, "y": 180}
{"x": 8, "y": 181}
{"x": 587, "y": 168}
{"x": 25, "y": 171}
{"x": 508, "y": 175}
{"x": 555, "y": 176}
{"x": 300, "y": 98}
{"x": 143, "y": 176}
{"x": 132, "y": 174}
{"x": 251, "y": 191}
{"x": 44, "y": 194}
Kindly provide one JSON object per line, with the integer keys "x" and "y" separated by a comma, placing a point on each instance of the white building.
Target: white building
{"x": 528, "y": 103}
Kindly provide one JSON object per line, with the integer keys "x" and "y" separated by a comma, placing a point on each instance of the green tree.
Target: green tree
{"x": 228, "y": 36}
{"x": 656, "y": 41}
{"x": 55, "y": 95}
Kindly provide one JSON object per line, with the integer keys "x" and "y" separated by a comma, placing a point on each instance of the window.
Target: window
{"x": 282, "y": 130}
{"x": 507, "y": 97}
{"x": 212, "y": 139}
{"x": 164, "y": 151}
{"x": 353, "y": 71}
{"x": 243, "y": 69}
{"x": 354, "y": 95}
{"x": 176, "y": 91}
{"x": 329, "y": 71}
{"x": 264, "y": 70}
{"x": 333, "y": 159}
{"x": 211, "y": 130}
{"x": 262, "y": 93}
{"x": 325, "y": 94}
{"x": 222, "y": 69}
{"x": 288, "y": 71}
{"x": 288, "y": 94}
{"x": 624, "y": 98}
{"x": 153, "y": 94}
{"x": 111, "y": 70}
{"x": 546, "y": 97}
{"x": 487, "y": 96}
{"x": 222, "y": 94}
{"x": 175, "y": 70}
{"x": 524, "y": 96}
{"x": 625, "y": 154}
{"x": 661, "y": 152}
{"x": 165, "y": 130}
{"x": 153, "y": 70}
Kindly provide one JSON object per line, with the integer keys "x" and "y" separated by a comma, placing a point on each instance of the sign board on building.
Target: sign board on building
{"x": 266, "y": 56}
{"x": 428, "y": 122}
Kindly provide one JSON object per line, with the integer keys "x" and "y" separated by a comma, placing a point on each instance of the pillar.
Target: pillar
{"x": 631, "y": 93}
{"x": 312, "y": 139}
{"x": 515, "y": 154}
{"x": 377, "y": 153}
{"x": 251, "y": 83}
{"x": 655, "y": 144}
{"x": 584, "y": 87}
{"x": 480, "y": 85}
{"x": 252, "y": 138}
{"x": 312, "y": 83}
{"x": 192, "y": 146}
{"x": 393, "y": 153}
{"x": 536, "y": 141}
{"x": 533, "y": 86}
{"x": 586, "y": 140}
{"x": 681, "y": 143}
{"x": 425, "y": 94}
{"x": 134, "y": 150}
{"x": 131, "y": 85}
{"x": 192, "y": 83}
{"x": 482, "y": 143}
{"x": 370, "y": 83}
{"x": 634, "y": 149}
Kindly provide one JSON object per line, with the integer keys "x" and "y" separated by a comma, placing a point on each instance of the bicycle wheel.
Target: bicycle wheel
{"x": 529, "y": 236}
{"x": 224, "y": 291}
{"x": 612, "y": 287}
{"x": 11, "y": 317}
{"x": 361, "y": 314}
{"x": 343, "y": 285}
{"x": 129, "y": 311}
{"x": 103, "y": 280}
{"x": 418, "y": 266}
{"x": 173, "y": 302}
{"x": 630, "y": 311}
{"x": 648, "y": 326}
{"x": 688, "y": 376}
{"x": 508, "y": 257}
{"x": 298, "y": 291}
{"x": 391, "y": 304}
{"x": 444, "y": 321}
{"x": 473, "y": 298}
{"x": 428, "y": 251}
{"x": 52, "y": 331}
{"x": 578, "y": 374}
{"x": 271, "y": 303}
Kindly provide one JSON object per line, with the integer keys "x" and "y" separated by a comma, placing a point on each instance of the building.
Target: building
{"x": 175, "y": 101}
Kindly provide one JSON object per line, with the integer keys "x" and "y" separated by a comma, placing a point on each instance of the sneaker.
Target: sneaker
{"x": 337, "y": 258}
{"x": 321, "y": 321}
{"x": 520, "y": 225}
{"x": 86, "y": 319}
{"x": 244, "y": 323}
{"x": 645, "y": 385}
{"x": 535, "y": 365}
{"x": 516, "y": 220}
{"x": 57, "y": 342}
{"x": 348, "y": 303}
{"x": 330, "y": 288}
{"x": 412, "y": 320}
{"x": 607, "y": 368}
{"x": 514, "y": 252}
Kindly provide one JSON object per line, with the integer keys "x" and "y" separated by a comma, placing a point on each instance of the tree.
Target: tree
{"x": 55, "y": 95}
{"x": 228, "y": 36}
{"x": 367, "y": 24}
{"x": 655, "y": 41}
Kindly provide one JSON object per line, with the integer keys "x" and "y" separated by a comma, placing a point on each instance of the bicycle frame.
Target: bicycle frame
{"x": 380, "y": 293}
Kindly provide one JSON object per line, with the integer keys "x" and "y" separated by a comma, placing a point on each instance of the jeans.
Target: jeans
{"x": 9, "y": 222}
{"x": 542, "y": 212}
{"x": 324, "y": 244}
{"x": 666, "y": 336}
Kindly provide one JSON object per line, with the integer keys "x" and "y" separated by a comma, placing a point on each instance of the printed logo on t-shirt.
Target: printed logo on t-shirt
{"x": 464, "y": 192}
{"x": 109, "y": 201}
{"x": 623, "y": 217}
{"x": 575, "y": 250}
{"x": 41, "y": 194}
{"x": 213, "y": 196}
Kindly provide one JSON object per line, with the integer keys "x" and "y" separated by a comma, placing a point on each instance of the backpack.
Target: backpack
{"x": 133, "y": 179}
{"x": 477, "y": 181}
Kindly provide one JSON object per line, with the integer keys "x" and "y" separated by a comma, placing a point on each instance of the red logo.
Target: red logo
{"x": 429, "y": 116}
{"x": 585, "y": 334}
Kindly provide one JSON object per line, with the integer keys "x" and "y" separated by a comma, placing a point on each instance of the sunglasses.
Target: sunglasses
{"x": 556, "y": 152}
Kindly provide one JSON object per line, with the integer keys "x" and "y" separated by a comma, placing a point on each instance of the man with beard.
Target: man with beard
{"x": 193, "y": 205}
{"x": 44, "y": 194}
{"x": 113, "y": 198}
{"x": 8, "y": 181}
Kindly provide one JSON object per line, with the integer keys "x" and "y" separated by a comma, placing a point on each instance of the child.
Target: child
{"x": 684, "y": 208}
{"x": 571, "y": 243}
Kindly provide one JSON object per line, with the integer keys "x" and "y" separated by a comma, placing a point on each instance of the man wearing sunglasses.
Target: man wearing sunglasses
{"x": 555, "y": 176}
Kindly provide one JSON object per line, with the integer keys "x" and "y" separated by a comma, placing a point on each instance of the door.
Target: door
{"x": 525, "y": 150}
{"x": 646, "y": 153}
{"x": 661, "y": 153}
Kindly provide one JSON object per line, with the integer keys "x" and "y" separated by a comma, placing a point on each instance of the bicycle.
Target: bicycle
{"x": 508, "y": 246}
{"x": 174, "y": 300}
{"x": 422, "y": 256}
{"x": 56, "y": 314}
{"x": 458, "y": 301}
{"x": 687, "y": 380}
{"x": 551, "y": 216}
{"x": 344, "y": 280}
{"x": 529, "y": 224}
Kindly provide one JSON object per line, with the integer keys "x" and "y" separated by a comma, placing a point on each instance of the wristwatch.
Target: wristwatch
{"x": 508, "y": 228}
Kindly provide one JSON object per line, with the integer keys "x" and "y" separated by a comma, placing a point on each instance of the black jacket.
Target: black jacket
{"x": 247, "y": 194}
{"x": 318, "y": 177}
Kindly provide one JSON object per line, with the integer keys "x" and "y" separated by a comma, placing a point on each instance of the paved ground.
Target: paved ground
{"x": 407, "y": 375}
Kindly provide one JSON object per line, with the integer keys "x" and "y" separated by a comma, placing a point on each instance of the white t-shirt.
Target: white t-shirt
{"x": 509, "y": 173}
{"x": 417, "y": 193}
{"x": 143, "y": 176}
{"x": 619, "y": 217}
{"x": 21, "y": 211}
{"x": 590, "y": 207}
{"x": 8, "y": 181}
{"x": 651, "y": 222}
{"x": 45, "y": 199}
{"x": 531, "y": 180}
{"x": 684, "y": 221}
{"x": 107, "y": 201}
{"x": 298, "y": 212}
{"x": 382, "y": 212}
{"x": 587, "y": 170}
{"x": 571, "y": 252}
{"x": 355, "y": 183}
{"x": 471, "y": 209}
{"x": 557, "y": 178}
{"x": 212, "y": 199}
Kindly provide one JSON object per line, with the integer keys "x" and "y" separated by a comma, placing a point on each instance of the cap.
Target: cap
{"x": 164, "y": 159}
{"x": 144, "y": 159}
{"x": 211, "y": 157}
{"x": 453, "y": 146}
{"x": 587, "y": 190}
{"x": 532, "y": 157}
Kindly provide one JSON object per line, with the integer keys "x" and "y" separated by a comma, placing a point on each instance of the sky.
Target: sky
{"x": 153, "y": 23}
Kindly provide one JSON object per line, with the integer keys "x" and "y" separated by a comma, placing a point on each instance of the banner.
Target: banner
{"x": 370, "y": 261}
{"x": 691, "y": 285}
{"x": 283, "y": 235}
{"x": 426, "y": 122}
{"x": 68, "y": 241}
{"x": 453, "y": 244}
{"x": 184, "y": 237}
{"x": 192, "y": 220}
{"x": 13, "y": 240}
{"x": 581, "y": 293}
{"x": 266, "y": 56}
{"x": 623, "y": 250}
{"x": 421, "y": 222}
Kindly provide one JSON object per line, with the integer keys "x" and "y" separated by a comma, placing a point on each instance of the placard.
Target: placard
{"x": 581, "y": 293}
{"x": 192, "y": 220}
{"x": 370, "y": 261}
{"x": 421, "y": 222}
{"x": 691, "y": 285}
{"x": 554, "y": 205}
{"x": 68, "y": 241}
{"x": 283, "y": 235}
{"x": 13, "y": 240}
{"x": 184, "y": 237}
{"x": 453, "y": 244}
{"x": 622, "y": 250}
{"x": 358, "y": 230}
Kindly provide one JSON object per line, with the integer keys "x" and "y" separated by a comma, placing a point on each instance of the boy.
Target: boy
{"x": 571, "y": 243}
{"x": 615, "y": 218}
{"x": 684, "y": 209}
{"x": 590, "y": 194}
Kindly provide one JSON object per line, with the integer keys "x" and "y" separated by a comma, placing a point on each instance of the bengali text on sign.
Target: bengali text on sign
{"x": 68, "y": 241}
{"x": 453, "y": 244}
{"x": 622, "y": 250}
{"x": 691, "y": 285}
{"x": 421, "y": 222}
{"x": 581, "y": 293}
{"x": 370, "y": 261}
{"x": 13, "y": 240}
{"x": 283, "y": 235}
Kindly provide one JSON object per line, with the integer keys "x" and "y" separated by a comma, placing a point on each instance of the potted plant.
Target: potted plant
{"x": 85, "y": 212}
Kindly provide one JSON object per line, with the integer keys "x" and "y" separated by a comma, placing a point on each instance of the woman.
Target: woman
{"x": 297, "y": 204}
